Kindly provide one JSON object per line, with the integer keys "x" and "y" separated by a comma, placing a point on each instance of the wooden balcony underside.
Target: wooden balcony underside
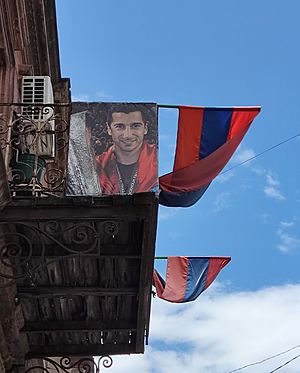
{"x": 83, "y": 271}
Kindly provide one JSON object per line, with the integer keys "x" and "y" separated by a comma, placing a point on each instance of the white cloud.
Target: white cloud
{"x": 271, "y": 180}
{"x": 166, "y": 213}
{"x": 271, "y": 189}
{"x": 258, "y": 170}
{"x": 243, "y": 154}
{"x": 100, "y": 95}
{"x": 83, "y": 98}
{"x": 287, "y": 224}
{"x": 288, "y": 242}
{"x": 103, "y": 95}
{"x": 222, "y": 178}
{"x": 222, "y": 201}
{"x": 220, "y": 332}
{"x": 272, "y": 192}
{"x": 272, "y": 185}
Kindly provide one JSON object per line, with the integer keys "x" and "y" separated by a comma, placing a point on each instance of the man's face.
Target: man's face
{"x": 127, "y": 130}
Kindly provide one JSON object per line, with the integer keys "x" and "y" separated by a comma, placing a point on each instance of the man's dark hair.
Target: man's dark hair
{"x": 127, "y": 108}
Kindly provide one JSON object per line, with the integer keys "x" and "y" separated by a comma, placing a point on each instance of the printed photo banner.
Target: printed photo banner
{"x": 112, "y": 149}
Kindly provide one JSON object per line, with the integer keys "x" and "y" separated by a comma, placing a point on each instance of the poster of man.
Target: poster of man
{"x": 113, "y": 149}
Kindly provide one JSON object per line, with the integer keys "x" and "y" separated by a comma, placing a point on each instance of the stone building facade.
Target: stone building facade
{"x": 28, "y": 46}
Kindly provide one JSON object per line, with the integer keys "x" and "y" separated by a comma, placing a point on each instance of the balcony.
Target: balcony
{"x": 34, "y": 140}
{"x": 79, "y": 268}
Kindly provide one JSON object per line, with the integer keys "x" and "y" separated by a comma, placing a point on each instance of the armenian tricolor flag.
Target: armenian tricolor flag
{"x": 187, "y": 277}
{"x": 206, "y": 140}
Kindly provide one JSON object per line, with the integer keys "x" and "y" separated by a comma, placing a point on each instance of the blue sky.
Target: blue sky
{"x": 213, "y": 53}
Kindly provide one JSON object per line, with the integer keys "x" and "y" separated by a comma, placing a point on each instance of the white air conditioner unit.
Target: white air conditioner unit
{"x": 38, "y": 90}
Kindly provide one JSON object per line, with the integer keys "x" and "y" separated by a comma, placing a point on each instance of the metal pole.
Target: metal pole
{"x": 168, "y": 106}
{"x": 202, "y": 257}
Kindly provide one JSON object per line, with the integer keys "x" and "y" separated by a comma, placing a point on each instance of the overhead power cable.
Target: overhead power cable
{"x": 264, "y": 360}
{"x": 283, "y": 365}
{"x": 261, "y": 153}
{"x": 249, "y": 159}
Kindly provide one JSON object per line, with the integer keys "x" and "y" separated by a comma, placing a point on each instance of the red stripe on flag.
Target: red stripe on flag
{"x": 201, "y": 173}
{"x": 241, "y": 118}
{"x": 215, "y": 266}
{"x": 188, "y": 136}
{"x": 177, "y": 271}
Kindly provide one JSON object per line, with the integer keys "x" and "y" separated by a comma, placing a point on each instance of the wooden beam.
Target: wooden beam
{"x": 76, "y": 326}
{"x": 114, "y": 251}
{"x": 68, "y": 209}
{"x": 81, "y": 350}
{"x": 60, "y": 291}
{"x": 146, "y": 274}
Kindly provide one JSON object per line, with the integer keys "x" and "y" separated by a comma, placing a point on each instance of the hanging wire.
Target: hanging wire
{"x": 261, "y": 153}
{"x": 283, "y": 365}
{"x": 268, "y": 358}
{"x": 251, "y": 158}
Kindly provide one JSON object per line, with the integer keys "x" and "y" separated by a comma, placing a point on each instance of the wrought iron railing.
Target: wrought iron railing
{"x": 27, "y": 245}
{"x": 65, "y": 365}
{"x": 34, "y": 139}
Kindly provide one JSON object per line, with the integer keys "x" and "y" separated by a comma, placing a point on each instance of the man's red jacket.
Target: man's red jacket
{"x": 147, "y": 171}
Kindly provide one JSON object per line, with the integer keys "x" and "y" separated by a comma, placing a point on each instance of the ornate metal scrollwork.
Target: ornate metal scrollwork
{"x": 54, "y": 177}
{"x": 27, "y": 242}
{"x": 65, "y": 364}
{"x": 68, "y": 365}
{"x": 111, "y": 228}
{"x": 36, "y": 141}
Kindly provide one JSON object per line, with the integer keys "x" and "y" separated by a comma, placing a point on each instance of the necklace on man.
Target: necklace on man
{"x": 132, "y": 183}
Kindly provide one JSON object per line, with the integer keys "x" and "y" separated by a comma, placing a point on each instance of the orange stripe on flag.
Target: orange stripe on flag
{"x": 188, "y": 136}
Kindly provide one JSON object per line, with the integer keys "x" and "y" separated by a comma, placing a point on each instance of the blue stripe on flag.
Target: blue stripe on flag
{"x": 215, "y": 127}
{"x": 196, "y": 278}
